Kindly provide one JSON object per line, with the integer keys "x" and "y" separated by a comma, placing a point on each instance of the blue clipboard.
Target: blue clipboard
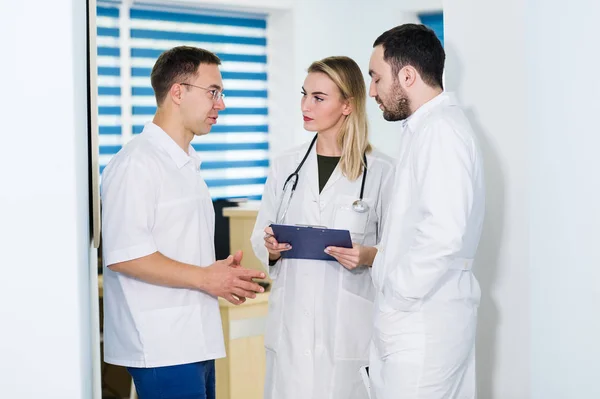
{"x": 310, "y": 242}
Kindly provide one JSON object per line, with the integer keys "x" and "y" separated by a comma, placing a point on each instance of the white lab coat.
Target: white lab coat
{"x": 319, "y": 324}
{"x": 426, "y": 308}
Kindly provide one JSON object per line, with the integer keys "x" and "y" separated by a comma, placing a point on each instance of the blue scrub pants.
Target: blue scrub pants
{"x": 185, "y": 381}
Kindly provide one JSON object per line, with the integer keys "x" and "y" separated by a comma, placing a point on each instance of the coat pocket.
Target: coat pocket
{"x": 346, "y": 218}
{"x": 398, "y": 331}
{"x": 359, "y": 282}
{"x": 158, "y": 327}
{"x": 354, "y": 327}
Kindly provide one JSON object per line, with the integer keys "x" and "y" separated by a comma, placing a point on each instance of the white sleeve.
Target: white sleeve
{"x": 385, "y": 198}
{"x": 443, "y": 169}
{"x": 266, "y": 216}
{"x": 128, "y": 205}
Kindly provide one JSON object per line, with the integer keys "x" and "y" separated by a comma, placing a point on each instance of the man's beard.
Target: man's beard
{"x": 398, "y": 108}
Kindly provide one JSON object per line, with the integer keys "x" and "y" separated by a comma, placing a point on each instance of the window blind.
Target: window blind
{"x": 130, "y": 39}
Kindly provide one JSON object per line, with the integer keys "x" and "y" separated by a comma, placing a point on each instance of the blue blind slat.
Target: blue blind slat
{"x": 211, "y": 165}
{"x": 150, "y": 110}
{"x": 262, "y": 59}
{"x": 197, "y": 18}
{"x": 109, "y": 71}
{"x": 142, "y": 91}
{"x": 240, "y": 129}
{"x": 109, "y": 91}
{"x": 110, "y": 32}
{"x": 107, "y": 12}
{"x": 230, "y": 146}
{"x": 137, "y": 129}
{"x": 109, "y": 110}
{"x": 244, "y": 75}
{"x": 235, "y": 182}
{"x": 110, "y": 130}
{"x": 146, "y": 110}
{"x": 109, "y": 51}
{"x": 247, "y": 93}
{"x": 244, "y": 111}
{"x": 154, "y": 54}
{"x": 195, "y": 37}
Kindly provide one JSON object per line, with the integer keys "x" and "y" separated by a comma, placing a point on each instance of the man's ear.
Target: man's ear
{"x": 407, "y": 76}
{"x": 175, "y": 93}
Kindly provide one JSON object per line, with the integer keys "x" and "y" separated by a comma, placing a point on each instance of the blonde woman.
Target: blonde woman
{"x": 320, "y": 311}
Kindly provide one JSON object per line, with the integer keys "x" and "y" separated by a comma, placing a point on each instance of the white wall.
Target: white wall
{"x": 531, "y": 87}
{"x": 564, "y": 140}
{"x": 486, "y": 67}
{"x": 45, "y": 347}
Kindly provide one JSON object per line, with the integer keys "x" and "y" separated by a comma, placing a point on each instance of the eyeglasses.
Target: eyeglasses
{"x": 216, "y": 94}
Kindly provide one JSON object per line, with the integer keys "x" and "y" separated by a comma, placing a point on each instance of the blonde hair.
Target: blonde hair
{"x": 354, "y": 133}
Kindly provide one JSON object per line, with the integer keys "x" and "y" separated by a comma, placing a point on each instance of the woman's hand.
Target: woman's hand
{"x": 354, "y": 257}
{"x": 275, "y": 249}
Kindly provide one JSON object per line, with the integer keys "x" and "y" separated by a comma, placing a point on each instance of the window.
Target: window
{"x": 130, "y": 39}
{"x": 434, "y": 21}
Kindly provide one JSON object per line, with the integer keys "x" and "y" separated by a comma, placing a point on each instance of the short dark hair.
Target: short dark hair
{"x": 415, "y": 45}
{"x": 175, "y": 66}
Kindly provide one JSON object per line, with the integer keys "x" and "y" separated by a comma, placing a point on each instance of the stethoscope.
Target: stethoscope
{"x": 291, "y": 182}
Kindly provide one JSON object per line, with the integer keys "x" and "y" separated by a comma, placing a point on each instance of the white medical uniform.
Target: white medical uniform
{"x": 154, "y": 199}
{"x": 427, "y": 297}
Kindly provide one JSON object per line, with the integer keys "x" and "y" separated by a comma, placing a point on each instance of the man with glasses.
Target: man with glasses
{"x": 161, "y": 280}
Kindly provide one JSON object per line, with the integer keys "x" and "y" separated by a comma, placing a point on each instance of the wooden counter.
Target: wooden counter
{"x": 241, "y": 374}
{"x": 241, "y": 224}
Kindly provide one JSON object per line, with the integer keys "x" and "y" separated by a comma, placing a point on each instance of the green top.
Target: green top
{"x": 326, "y": 167}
